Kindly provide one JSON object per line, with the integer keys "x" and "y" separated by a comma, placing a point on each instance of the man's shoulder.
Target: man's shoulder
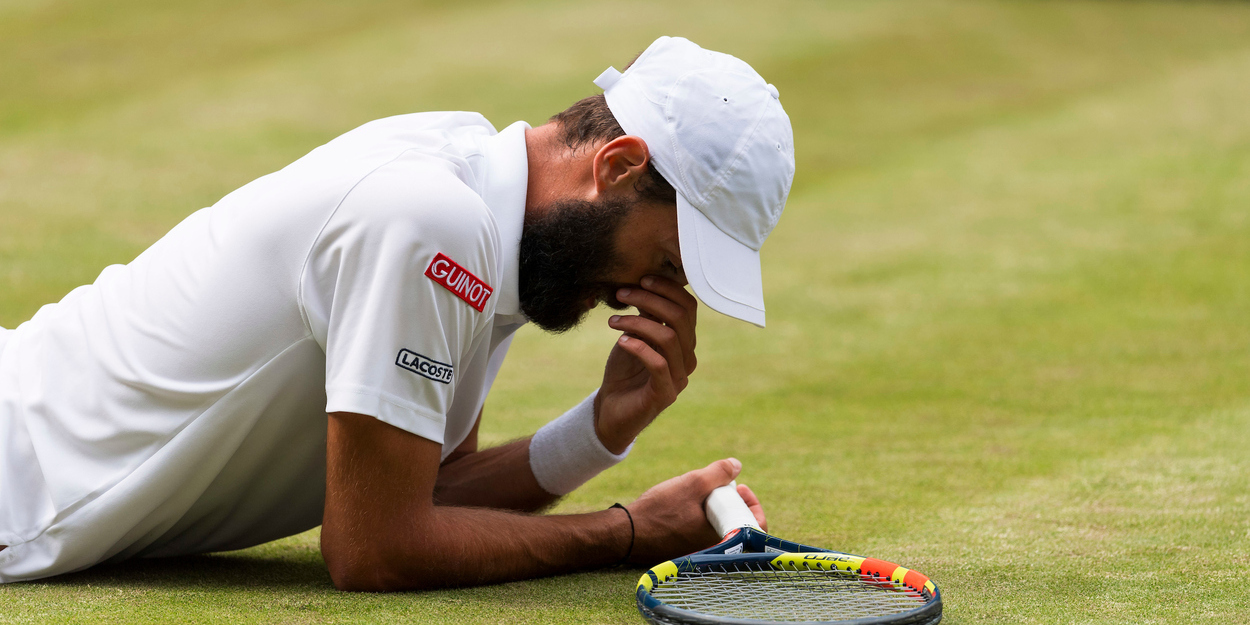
{"x": 438, "y": 133}
{"x": 425, "y": 122}
{"x": 355, "y": 154}
{"x": 412, "y": 208}
{"x": 405, "y": 180}
{"x": 423, "y": 192}
{"x": 419, "y": 165}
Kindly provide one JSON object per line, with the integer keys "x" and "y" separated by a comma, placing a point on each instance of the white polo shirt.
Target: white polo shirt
{"x": 178, "y": 404}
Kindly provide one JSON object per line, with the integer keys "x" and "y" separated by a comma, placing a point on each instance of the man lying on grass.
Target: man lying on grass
{"x": 178, "y": 404}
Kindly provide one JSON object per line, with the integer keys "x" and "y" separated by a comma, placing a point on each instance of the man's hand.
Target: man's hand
{"x": 669, "y": 520}
{"x": 651, "y": 362}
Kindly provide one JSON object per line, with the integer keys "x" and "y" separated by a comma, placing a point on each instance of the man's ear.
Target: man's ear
{"x": 619, "y": 164}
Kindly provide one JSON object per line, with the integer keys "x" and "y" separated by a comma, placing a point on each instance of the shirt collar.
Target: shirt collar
{"x": 503, "y": 190}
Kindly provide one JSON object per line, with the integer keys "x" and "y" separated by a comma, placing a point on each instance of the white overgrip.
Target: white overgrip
{"x": 726, "y": 510}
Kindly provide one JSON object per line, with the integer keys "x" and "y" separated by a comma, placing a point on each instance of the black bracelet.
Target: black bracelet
{"x": 631, "y": 533}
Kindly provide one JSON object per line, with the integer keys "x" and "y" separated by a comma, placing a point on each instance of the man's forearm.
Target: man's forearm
{"x": 450, "y": 546}
{"x": 499, "y": 477}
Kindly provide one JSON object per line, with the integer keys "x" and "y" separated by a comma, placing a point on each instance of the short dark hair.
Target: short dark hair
{"x": 589, "y": 122}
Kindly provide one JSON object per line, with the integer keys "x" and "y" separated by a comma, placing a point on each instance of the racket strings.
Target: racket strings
{"x": 751, "y": 590}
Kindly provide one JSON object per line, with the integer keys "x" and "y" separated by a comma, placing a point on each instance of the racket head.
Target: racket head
{"x": 754, "y": 578}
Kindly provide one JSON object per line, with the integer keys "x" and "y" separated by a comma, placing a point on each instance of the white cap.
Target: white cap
{"x": 716, "y": 131}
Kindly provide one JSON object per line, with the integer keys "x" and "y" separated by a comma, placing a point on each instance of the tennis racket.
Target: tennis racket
{"x": 753, "y": 578}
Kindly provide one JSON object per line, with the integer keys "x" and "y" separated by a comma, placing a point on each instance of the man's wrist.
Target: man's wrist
{"x": 613, "y": 443}
{"x": 633, "y": 533}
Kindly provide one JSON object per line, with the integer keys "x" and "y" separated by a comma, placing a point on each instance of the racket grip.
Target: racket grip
{"x": 726, "y": 510}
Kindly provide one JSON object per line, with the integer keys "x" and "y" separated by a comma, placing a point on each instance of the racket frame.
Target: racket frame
{"x": 750, "y": 545}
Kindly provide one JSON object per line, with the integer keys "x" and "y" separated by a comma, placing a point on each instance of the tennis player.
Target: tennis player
{"x": 179, "y": 404}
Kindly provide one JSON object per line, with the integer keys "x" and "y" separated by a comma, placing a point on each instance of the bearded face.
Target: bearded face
{"x": 568, "y": 250}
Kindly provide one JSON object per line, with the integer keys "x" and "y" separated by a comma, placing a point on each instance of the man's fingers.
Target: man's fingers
{"x": 719, "y": 473}
{"x": 655, "y": 364}
{"x": 686, "y": 320}
{"x": 671, "y": 290}
{"x": 660, "y": 337}
{"x": 666, "y": 301}
{"x": 754, "y": 504}
{"x": 659, "y": 306}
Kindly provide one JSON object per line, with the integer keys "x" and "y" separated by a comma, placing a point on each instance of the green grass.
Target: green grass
{"x": 1007, "y": 337}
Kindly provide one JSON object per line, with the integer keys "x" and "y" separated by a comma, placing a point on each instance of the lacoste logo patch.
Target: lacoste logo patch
{"x": 458, "y": 280}
{"x": 424, "y": 367}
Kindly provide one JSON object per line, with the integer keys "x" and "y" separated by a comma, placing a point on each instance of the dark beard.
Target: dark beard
{"x": 567, "y": 253}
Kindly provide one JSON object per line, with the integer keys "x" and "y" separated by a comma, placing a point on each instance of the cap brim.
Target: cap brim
{"x": 724, "y": 273}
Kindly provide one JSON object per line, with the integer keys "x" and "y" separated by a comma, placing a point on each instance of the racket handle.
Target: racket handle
{"x": 726, "y": 510}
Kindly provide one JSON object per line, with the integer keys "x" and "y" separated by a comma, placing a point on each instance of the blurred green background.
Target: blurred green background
{"x": 1007, "y": 344}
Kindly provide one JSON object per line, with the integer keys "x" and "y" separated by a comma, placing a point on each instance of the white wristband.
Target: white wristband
{"x": 566, "y": 453}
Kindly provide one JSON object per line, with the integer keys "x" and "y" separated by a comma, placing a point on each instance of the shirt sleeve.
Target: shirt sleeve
{"x": 399, "y": 274}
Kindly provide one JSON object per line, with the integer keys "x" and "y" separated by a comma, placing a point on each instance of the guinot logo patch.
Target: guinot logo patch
{"x": 459, "y": 281}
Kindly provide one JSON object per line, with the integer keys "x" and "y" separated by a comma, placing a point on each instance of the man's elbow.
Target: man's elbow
{"x": 349, "y": 568}
{"x": 371, "y": 565}
{"x": 353, "y": 576}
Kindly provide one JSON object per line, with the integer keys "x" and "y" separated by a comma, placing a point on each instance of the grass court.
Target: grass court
{"x": 1008, "y": 341}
